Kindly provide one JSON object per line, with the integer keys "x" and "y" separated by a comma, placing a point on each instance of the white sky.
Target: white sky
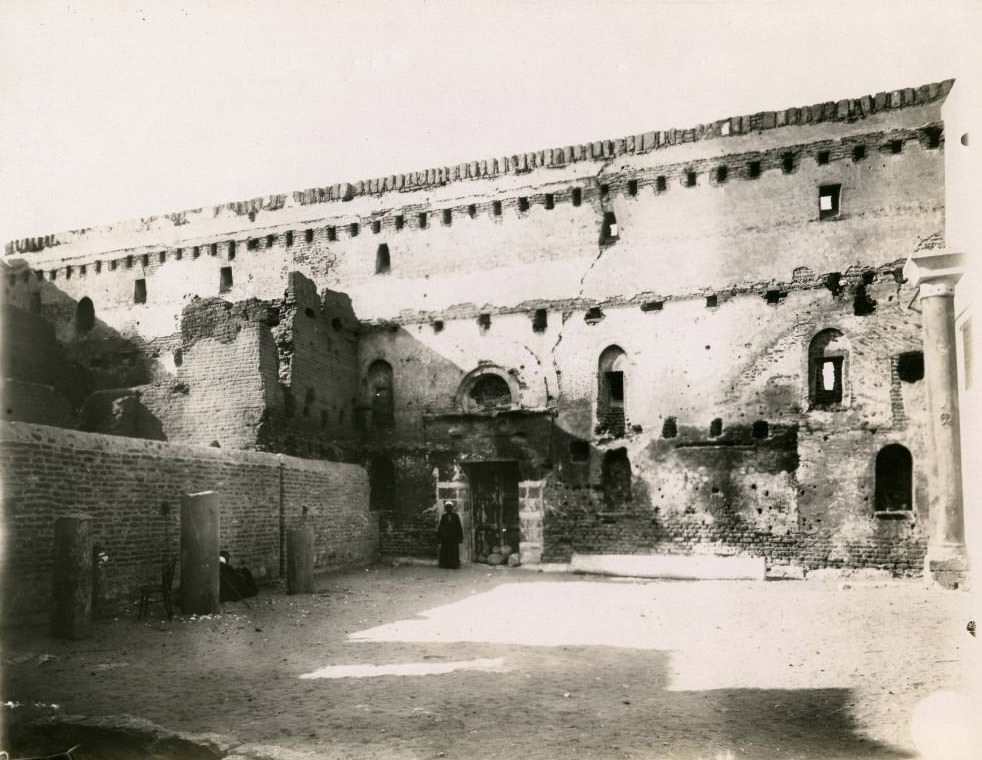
{"x": 111, "y": 110}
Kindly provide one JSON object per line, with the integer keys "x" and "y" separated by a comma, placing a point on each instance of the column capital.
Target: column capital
{"x": 934, "y": 274}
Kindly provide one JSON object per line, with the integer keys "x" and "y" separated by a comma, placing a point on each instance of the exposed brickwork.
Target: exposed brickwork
{"x": 124, "y": 484}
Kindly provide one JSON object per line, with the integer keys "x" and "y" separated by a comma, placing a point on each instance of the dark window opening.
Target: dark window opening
{"x": 858, "y": 152}
{"x": 353, "y": 229}
{"x": 753, "y": 169}
{"x": 489, "y": 393}
{"x": 593, "y": 315}
{"x": 376, "y": 227}
{"x": 760, "y": 429}
{"x": 910, "y": 366}
{"x": 472, "y": 210}
{"x": 129, "y": 262}
{"x": 690, "y": 179}
{"x": 68, "y": 275}
{"x": 721, "y": 174}
{"x": 380, "y": 393}
{"x": 608, "y": 230}
{"x": 540, "y": 321}
{"x": 179, "y": 254}
{"x": 822, "y": 157}
{"x": 484, "y": 322}
{"x": 112, "y": 265}
{"x": 611, "y": 414}
{"x": 231, "y": 250}
{"x": 579, "y": 451}
{"x": 196, "y": 252}
{"x": 895, "y": 146}
{"x": 289, "y": 238}
{"x": 577, "y": 196}
{"x": 309, "y": 235}
{"x": 213, "y": 249}
{"x": 178, "y": 357}
{"x": 422, "y": 219}
{"x": 382, "y": 261}
{"x": 381, "y": 484}
{"x": 894, "y": 479}
{"x": 863, "y": 304}
{"x": 604, "y": 190}
{"x": 661, "y": 183}
{"x": 712, "y": 301}
{"x": 332, "y": 234}
{"x": 523, "y": 204}
{"x": 932, "y": 137}
{"x": 400, "y": 221}
{"x": 496, "y": 208}
{"x": 615, "y": 473}
{"x": 828, "y": 201}
{"x": 669, "y": 428}
{"x": 826, "y": 368}
{"x": 775, "y": 296}
{"x": 716, "y": 428}
{"x": 84, "y": 315}
{"x": 225, "y": 280}
{"x": 253, "y": 244}
{"x": 652, "y": 306}
{"x": 336, "y": 324}
{"x": 145, "y": 259}
{"x": 828, "y": 381}
{"x": 162, "y": 257}
{"x": 550, "y": 202}
{"x": 632, "y": 187}
{"x": 787, "y": 162}
{"x": 438, "y": 326}
{"x": 140, "y": 291}
{"x": 270, "y": 239}
{"x": 447, "y": 217}
{"x": 98, "y": 267}
{"x": 310, "y": 313}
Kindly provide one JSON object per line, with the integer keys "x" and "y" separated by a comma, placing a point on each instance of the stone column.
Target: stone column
{"x": 199, "y": 553}
{"x": 935, "y": 277}
{"x": 72, "y": 578}
{"x": 300, "y": 560}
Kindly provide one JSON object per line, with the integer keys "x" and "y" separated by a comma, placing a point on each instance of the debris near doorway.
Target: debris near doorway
{"x": 501, "y": 555}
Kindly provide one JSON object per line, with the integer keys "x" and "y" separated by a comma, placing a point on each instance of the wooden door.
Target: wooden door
{"x": 494, "y": 503}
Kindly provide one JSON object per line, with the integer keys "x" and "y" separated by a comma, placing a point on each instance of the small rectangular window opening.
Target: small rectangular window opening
{"x": 496, "y": 208}
{"x": 438, "y": 326}
{"x": 382, "y": 261}
{"x": 523, "y": 204}
{"x": 787, "y": 163}
{"x": 98, "y": 267}
{"x": 753, "y": 169}
{"x": 652, "y": 306}
{"x": 400, "y": 221}
{"x": 690, "y": 179}
{"x": 828, "y": 383}
{"x": 550, "y": 202}
{"x": 472, "y": 210}
{"x": 932, "y": 137}
{"x": 822, "y": 157}
{"x": 447, "y": 217}
{"x": 140, "y": 291}
{"x": 484, "y": 322}
{"x": 858, "y": 152}
{"x": 162, "y": 257}
{"x": 231, "y": 250}
{"x": 270, "y": 240}
{"x": 711, "y": 301}
{"x": 81, "y": 270}
{"x": 609, "y": 231}
{"x": 253, "y": 244}
{"x": 68, "y": 275}
{"x": 721, "y": 174}
{"x": 895, "y": 146}
{"x": 376, "y": 227}
{"x": 615, "y": 387}
{"x": 179, "y": 254}
{"x": 225, "y": 280}
{"x": 632, "y": 187}
{"x": 145, "y": 260}
{"x": 828, "y": 201}
{"x": 604, "y": 190}
{"x": 289, "y": 238}
{"x": 129, "y": 262}
{"x": 421, "y": 217}
{"x": 213, "y": 249}
{"x": 354, "y": 229}
{"x": 332, "y": 234}
{"x": 775, "y": 296}
{"x": 577, "y": 196}
{"x": 540, "y": 321}
{"x": 196, "y": 252}
{"x": 112, "y": 265}
{"x": 308, "y": 235}
{"x": 661, "y": 183}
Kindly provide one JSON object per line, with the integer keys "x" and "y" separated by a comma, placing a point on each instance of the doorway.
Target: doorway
{"x": 494, "y": 504}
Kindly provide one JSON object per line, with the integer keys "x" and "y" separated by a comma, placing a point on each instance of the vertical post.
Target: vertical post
{"x": 936, "y": 276}
{"x": 199, "y": 553}
{"x": 72, "y": 579}
{"x": 300, "y": 560}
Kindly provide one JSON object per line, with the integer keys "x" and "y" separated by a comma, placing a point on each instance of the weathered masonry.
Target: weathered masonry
{"x": 692, "y": 341}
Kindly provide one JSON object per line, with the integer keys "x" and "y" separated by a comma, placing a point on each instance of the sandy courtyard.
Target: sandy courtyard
{"x": 415, "y": 662}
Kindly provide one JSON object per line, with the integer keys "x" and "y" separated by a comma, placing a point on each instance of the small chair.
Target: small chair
{"x": 150, "y": 590}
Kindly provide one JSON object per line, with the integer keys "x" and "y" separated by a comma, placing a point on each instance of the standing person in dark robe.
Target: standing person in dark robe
{"x": 450, "y": 534}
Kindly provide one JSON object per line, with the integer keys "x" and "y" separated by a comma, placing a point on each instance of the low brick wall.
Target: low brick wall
{"x": 132, "y": 491}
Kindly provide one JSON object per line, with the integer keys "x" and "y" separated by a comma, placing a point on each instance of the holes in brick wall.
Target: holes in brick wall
{"x": 178, "y": 254}
{"x": 422, "y": 219}
{"x": 145, "y": 260}
{"x": 910, "y": 366}
{"x": 308, "y": 312}
{"x": 447, "y": 217}
{"x": 213, "y": 249}
{"x": 661, "y": 183}
{"x": 712, "y": 301}
{"x": 438, "y": 326}
{"x": 822, "y": 157}
{"x": 579, "y": 451}
{"x": 863, "y": 304}
{"x": 760, "y": 429}
{"x": 550, "y": 202}
{"x": 336, "y": 324}
{"x": 196, "y": 252}
{"x": 496, "y": 208}
{"x": 894, "y": 490}
{"x": 225, "y": 280}
{"x": 615, "y": 476}
{"x": 594, "y": 315}
{"x": 632, "y": 187}
{"x": 332, "y": 234}
{"x": 113, "y": 264}
{"x": 753, "y": 169}
{"x": 484, "y": 322}
{"x": 716, "y": 428}
{"x": 932, "y": 137}
{"x": 722, "y": 173}
{"x": 68, "y": 275}
{"x": 577, "y": 196}
{"x": 231, "y": 250}
{"x": 252, "y": 244}
{"x": 84, "y": 315}
{"x": 270, "y": 239}
{"x": 129, "y": 263}
{"x": 652, "y": 306}
{"x": 858, "y": 152}
{"x": 604, "y": 190}
{"x": 98, "y": 268}
{"x": 162, "y": 257}
{"x": 472, "y": 210}
{"x": 353, "y": 229}
{"x": 787, "y": 162}
{"x": 523, "y": 204}
{"x": 608, "y": 230}
{"x": 669, "y": 428}
{"x": 540, "y": 320}
{"x": 289, "y": 238}
{"x": 828, "y": 201}
{"x": 382, "y": 261}
{"x": 140, "y": 291}
{"x": 308, "y": 235}
{"x": 400, "y": 221}
{"x": 775, "y": 296}
{"x": 178, "y": 357}
{"x": 690, "y": 178}
{"x": 376, "y": 227}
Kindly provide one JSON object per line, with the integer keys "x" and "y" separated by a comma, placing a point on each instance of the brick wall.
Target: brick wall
{"x": 132, "y": 491}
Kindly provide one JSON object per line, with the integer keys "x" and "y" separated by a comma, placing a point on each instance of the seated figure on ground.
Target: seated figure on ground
{"x": 235, "y": 584}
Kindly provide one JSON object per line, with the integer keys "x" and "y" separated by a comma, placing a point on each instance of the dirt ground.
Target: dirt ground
{"x": 415, "y": 662}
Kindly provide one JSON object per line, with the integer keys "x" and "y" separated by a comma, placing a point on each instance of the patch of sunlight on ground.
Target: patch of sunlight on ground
{"x": 672, "y": 617}
{"x": 406, "y": 669}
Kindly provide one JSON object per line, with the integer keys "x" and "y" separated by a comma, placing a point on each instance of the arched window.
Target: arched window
{"x": 490, "y": 392}
{"x": 616, "y": 478}
{"x": 84, "y": 315}
{"x": 379, "y": 383}
{"x": 381, "y": 482}
{"x": 894, "y": 479}
{"x": 610, "y": 391}
{"x": 828, "y": 357}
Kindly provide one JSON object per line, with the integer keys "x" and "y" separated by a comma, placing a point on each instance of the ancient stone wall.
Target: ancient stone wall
{"x": 132, "y": 491}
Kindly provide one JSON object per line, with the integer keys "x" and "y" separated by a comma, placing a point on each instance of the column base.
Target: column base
{"x": 948, "y": 566}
